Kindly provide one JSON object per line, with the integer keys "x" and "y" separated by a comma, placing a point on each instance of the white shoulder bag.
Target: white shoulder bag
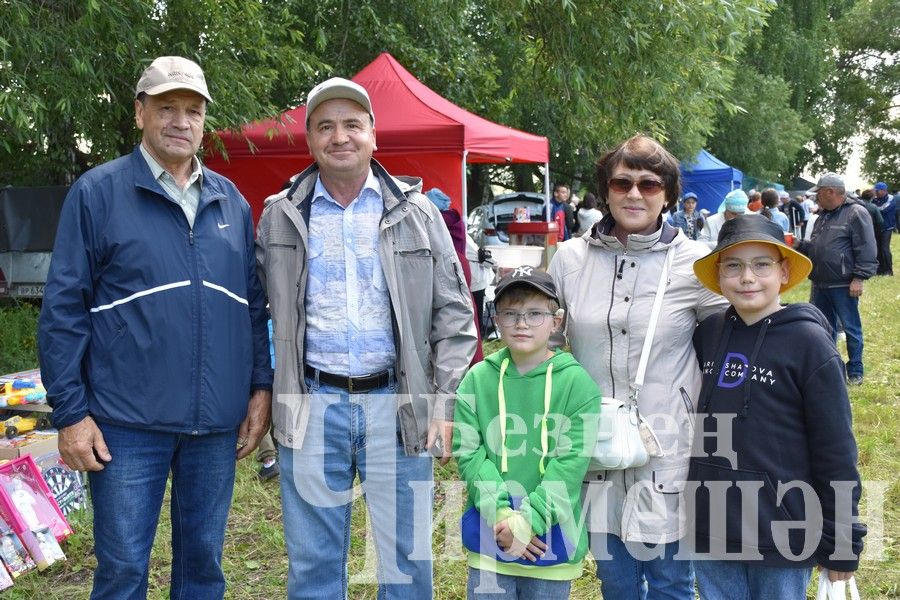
{"x": 624, "y": 438}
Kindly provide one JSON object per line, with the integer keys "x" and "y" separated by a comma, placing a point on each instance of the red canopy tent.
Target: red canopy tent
{"x": 418, "y": 133}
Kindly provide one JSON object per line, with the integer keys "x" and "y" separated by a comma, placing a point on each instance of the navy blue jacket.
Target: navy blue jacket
{"x": 783, "y": 380}
{"x": 147, "y": 322}
{"x": 888, "y": 208}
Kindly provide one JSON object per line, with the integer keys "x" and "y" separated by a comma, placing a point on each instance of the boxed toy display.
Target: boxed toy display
{"x": 27, "y": 504}
{"x": 13, "y": 554}
{"x": 35, "y": 443}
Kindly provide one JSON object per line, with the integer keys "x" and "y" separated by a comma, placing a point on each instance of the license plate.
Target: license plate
{"x": 27, "y": 290}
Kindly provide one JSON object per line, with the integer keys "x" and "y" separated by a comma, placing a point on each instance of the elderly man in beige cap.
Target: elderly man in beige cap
{"x": 153, "y": 342}
{"x": 373, "y": 330}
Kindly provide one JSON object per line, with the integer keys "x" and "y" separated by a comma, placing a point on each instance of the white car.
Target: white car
{"x": 488, "y": 223}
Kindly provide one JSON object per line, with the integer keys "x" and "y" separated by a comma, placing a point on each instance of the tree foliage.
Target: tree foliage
{"x": 781, "y": 94}
{"x": 589, "y": 75}
{"x": 869, "y": 82}
{"x": 584, "y": 74}
{"x": 766, "y": 134}
{"x": 68, "y": 70}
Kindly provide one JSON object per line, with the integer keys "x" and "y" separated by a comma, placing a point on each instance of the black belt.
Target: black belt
{"x": 354, "y": 385}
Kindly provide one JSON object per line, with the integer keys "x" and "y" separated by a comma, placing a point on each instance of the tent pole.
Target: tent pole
{"x": 465, "y": 190}
{"x": 547, "y": 190}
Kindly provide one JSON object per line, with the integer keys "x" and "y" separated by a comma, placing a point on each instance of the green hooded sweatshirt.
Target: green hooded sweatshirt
{"x": 525, "y": 436}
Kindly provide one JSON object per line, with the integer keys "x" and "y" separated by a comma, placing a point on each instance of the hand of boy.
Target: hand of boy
{"x": 834, "y": 576}
{"x": 511, "y": 545}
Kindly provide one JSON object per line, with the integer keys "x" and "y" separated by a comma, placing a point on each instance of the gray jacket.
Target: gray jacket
{"x": 608, "y": 292}
{"x": 842, "y": 246}
{"x": 432, "y": 314}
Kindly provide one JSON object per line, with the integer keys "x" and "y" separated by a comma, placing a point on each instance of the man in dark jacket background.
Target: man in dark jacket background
{"x": 888, "y": 207}
{"x": 153, "y": 342}
{"x": 562, "y": 201}
{"x": 842, "y": 250}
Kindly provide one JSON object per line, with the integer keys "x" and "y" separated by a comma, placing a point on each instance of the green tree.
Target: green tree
{"x": 589, "y": 75}
{"x": 868, "y": 82}
{"x": 584, "y": 74}
{"x": 68, "y": 70}
{"x": 765, "y": 135}
{"x": 778, "y": 128}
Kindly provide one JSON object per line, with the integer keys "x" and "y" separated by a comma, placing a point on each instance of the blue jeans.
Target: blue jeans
{"x": 348, "y": 435}
{"x": 837, "y": 304}
{"x": 730, "y": 580}
{"x": 128, "y": 494}
{"x": 487, "y": 585}
{"x": 624, "y": 575}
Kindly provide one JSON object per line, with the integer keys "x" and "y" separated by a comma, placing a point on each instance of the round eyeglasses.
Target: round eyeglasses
{"x": 761, "y": 267}
{"x": 533, "y": 318}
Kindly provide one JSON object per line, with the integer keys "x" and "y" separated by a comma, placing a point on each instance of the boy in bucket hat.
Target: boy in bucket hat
{"x": 521, "y": 529}
{"x": 774, "y": 373}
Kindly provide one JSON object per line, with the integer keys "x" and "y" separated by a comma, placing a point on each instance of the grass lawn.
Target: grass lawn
{"x": 256, "y": 566}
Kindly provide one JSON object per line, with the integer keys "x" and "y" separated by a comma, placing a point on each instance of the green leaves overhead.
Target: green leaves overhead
{"x": 68, "y": 70}
{"x": 585, "y": 74}
{"x": 868, "y": 80}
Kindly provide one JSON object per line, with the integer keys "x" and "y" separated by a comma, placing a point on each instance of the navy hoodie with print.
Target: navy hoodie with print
{"x": 781, "y": 382}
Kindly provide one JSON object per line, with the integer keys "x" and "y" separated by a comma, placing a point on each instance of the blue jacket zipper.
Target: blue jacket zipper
{"x": 198, "y": 329}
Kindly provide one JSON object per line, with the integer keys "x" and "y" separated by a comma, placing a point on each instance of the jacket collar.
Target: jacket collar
{"x": 393, "y": 189}
{"x": 660, "y": 239}
{"x": 143, "y": 178}
{"x": 844, "y": 203}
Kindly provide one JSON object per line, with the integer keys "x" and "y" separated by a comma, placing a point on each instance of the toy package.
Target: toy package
{"x": 27, "y": 504}
{"x": 5, "y": 579}
{"x": 22, "y": 388}
{"x": 13, "y": 554}
{"x": 50, "y": 552}
{"x": 64, "y": 483}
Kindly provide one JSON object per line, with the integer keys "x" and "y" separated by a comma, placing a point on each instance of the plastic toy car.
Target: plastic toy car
{"x": 18, "y": 425}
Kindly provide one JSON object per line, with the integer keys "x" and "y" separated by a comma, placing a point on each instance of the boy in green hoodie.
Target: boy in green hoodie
{"x": 526, "y": 418}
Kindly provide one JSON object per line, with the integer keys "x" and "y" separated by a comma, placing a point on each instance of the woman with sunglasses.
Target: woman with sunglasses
{"x": 607, "y": 281}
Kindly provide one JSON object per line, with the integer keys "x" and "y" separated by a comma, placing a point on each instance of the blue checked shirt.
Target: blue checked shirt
{"x": 348, "y": 309}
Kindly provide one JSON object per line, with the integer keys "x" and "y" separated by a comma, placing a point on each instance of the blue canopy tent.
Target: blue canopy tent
{"x": 710, "y": 179}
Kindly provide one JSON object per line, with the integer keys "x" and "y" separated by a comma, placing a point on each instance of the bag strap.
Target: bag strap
{"x": 837, "y": 590}
{"x": 651, "y": 328}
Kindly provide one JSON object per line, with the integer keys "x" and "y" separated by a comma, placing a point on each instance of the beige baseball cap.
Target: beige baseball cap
{"x": 168, "y": 73}
{"x": 338, "y": 87}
